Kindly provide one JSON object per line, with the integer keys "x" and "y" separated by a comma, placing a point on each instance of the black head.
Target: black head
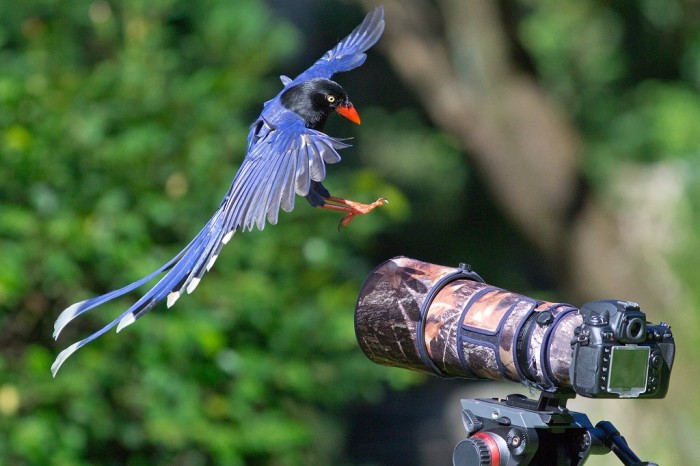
{"x": 315, "y": 99}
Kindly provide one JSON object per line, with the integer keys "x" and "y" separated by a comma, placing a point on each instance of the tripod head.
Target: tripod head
{"x": 522, "y": 431}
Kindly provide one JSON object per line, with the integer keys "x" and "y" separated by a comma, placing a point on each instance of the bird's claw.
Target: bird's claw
{"x": 360, "y": 209}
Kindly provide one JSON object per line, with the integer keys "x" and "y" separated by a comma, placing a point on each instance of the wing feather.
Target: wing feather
{"x": 302, "y": 179}
{"x": 317, "y": 168}
{"x": 288, "y": 185}
{"x": 349, "y": 52}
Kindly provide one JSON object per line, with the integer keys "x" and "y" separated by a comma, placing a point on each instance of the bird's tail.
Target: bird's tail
{"x": 184, "y": 271}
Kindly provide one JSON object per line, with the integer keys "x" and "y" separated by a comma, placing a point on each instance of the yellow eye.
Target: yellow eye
{"x": 331, "y": 99}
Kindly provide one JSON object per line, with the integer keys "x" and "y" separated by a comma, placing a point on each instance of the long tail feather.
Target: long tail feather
{"x": 77, "y": 309}
{"x": 179, "y": 269}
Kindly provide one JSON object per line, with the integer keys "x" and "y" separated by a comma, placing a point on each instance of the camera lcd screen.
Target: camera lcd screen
{"x": 629, "y": 366}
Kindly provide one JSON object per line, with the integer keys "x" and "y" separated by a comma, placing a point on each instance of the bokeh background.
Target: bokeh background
{"x": 554, "y": 145}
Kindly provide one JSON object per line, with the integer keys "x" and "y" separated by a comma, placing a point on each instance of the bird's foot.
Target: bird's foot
{"x": 350, "y": 208}
{"x": 359, "y": 208}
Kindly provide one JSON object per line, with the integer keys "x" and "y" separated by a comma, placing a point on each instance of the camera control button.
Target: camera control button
{"x": 517, "y": 441}
{"x": 471, "y": 422}
{"x": 504, "y": 421}
{"x": 631, "y": 306}
{"x": 475, "y": 451}
{"x": 544, "y": 318}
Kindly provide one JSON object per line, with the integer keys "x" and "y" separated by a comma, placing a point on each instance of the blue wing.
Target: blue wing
{"x": 281, "y": 164}
{"x": 349, "y": 53}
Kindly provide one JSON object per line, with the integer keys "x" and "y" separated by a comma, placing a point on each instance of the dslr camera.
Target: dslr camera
{"x": 617, "y": 354}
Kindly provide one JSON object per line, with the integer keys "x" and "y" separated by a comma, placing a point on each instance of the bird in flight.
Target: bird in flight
{"x": 286, "y": 156}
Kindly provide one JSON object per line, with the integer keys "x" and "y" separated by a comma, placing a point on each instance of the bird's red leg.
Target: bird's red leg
{"x": 351, "y": 208}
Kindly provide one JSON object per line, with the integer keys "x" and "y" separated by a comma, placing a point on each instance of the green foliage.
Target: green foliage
{"x": 629, "y": 75}
{"x": 121, "y": 126}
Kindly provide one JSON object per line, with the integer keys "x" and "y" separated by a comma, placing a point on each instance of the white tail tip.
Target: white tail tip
{"x": 210, "y": 264}
{"x": 66, "y": 316}
{"x": 126, "y": 321}
{"x": 173, "y": 297}
{"x": 193, "y": 285}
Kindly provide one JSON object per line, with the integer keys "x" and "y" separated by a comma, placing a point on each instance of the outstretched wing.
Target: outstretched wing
{"x": 349, "y": 53}
{"x": 280, "y": 164}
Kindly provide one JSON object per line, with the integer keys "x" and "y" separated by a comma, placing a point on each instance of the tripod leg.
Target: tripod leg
{"x": 612, "y": 439}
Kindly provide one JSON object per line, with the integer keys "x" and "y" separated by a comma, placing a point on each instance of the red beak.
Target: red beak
{"x": 349, "y": 112}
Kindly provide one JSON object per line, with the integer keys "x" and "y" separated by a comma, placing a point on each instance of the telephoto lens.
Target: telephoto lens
{"x": 447, "y": 321}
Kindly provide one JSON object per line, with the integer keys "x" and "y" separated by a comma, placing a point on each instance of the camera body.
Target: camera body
{"x": 617, "y": 354}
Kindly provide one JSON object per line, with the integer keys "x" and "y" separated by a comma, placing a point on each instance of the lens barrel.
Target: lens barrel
{"x": 446, "y": 321}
